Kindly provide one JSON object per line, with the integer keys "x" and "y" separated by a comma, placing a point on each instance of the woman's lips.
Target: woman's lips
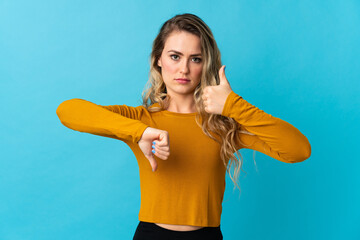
{"x": 182, "y": 80}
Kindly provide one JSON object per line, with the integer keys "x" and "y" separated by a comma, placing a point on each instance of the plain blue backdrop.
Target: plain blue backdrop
{"x": 296, "y": 60}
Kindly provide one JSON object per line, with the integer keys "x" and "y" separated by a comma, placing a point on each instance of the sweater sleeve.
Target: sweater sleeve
{"x": 270, "y": 135}
{"x": 115, "y": 121}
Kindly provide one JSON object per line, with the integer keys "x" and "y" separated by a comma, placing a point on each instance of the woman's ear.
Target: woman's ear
{"x": 159, "y": 62}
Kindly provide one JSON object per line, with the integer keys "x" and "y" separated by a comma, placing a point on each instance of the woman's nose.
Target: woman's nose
{"x": 184, "y": 68}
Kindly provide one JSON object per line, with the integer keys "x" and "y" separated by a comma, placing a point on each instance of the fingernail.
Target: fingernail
{"x": 154, "y": 143}
{"x": 153, "y": 146}
{"x": 153, "y": 151}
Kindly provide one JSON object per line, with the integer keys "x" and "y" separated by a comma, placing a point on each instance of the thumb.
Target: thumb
{"x": 164, "y": 139}
{"x": 152, "y": 161}
{"x": 223, "y": 79}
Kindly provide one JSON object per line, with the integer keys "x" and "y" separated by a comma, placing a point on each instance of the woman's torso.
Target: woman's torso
{"x": 185, "y": 189}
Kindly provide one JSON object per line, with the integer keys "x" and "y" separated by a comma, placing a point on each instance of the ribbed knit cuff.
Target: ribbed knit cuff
{"x": 139, "y": 132}
{"x": 228, "y": 103}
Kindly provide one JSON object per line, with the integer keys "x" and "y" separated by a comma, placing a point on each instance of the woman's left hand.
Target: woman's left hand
{"x": 214, "y": 97}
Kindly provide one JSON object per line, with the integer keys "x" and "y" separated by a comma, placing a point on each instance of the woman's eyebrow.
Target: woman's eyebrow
{"x": 177, "y": 52}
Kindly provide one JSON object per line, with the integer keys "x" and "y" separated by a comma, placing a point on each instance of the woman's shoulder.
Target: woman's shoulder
{"x": 155, "y": 105}
{"x": 152, "y": 108}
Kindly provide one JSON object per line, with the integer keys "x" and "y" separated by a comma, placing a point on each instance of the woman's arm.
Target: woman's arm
{"x": 272, "y": 136}
{"x": 116, "y": 121}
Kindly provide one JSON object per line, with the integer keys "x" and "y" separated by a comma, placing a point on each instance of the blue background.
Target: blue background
{"x": 296, "y": 60}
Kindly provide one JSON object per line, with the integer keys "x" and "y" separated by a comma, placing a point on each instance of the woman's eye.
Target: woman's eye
{"x": 174, "y": 56}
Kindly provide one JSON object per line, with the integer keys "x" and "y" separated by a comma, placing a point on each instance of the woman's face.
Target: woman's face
{"x": 181, "y": 59}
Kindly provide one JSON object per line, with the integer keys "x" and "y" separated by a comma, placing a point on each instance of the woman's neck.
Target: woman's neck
{"x": 182, "y": 104}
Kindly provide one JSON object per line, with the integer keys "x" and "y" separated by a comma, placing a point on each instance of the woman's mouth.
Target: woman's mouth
{"x": 182, "y": 80}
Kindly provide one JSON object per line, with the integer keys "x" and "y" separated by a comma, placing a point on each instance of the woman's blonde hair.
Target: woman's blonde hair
{"x": 226, "y": 129}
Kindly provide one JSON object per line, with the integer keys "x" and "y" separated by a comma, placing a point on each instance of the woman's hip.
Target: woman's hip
{"x": 149, "y": 231}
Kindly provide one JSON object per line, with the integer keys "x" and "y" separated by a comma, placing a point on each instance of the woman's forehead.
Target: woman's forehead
{"x": 184, "y": 42}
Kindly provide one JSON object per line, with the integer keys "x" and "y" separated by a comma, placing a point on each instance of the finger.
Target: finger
{"x": 164, "y": 139}
{"x": 206, "y": 108}
{"x": 159, "y": 155}
{"x": 222, "y": 76}
{"x": 162, "y": 153}
{"x": 158, "y": 143}
{"x": 163, "y": 148}
{"x": 205, "y": 97}
{"x": 153, "y": 162}
{"x": 204, "y": 90}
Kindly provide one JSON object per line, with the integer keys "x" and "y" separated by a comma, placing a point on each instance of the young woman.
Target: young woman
{"x": 186, "y": 132}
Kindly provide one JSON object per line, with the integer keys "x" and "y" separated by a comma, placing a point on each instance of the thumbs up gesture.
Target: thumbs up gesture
{"x": 214, "y": 97}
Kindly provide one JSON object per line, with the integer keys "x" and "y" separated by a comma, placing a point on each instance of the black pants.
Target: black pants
{"x": 151, "y": 231}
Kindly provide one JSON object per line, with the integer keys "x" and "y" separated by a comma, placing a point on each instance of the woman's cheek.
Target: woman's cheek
{"x": 197, "y": 72}
{"x": 169, "y": 67}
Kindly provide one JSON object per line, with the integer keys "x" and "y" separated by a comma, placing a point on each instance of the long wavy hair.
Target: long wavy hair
{"x": 226, "y": 129}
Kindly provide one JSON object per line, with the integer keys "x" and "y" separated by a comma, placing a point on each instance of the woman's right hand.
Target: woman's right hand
{"x": 162, "y": 145}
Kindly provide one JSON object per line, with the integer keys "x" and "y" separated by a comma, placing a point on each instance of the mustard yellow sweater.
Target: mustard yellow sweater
{"x": 187, "y": 188}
